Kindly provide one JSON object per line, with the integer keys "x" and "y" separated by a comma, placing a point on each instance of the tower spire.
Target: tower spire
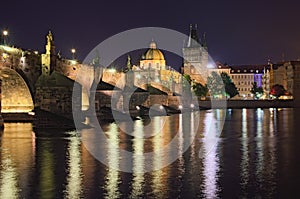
{"x": 204, "y": 43}
{"x": 190, "y": 36}
{"x": 193, "y": 40}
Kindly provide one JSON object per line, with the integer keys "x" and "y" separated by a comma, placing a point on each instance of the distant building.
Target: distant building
{"x": 244, "y": 76}
{"x": 293, "y": 78}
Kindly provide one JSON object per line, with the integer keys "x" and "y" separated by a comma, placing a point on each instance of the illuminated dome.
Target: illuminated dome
{"x": 153, "y": 53}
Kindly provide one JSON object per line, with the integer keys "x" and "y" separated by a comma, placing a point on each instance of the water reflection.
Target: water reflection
{"x": 17, "y": 157}
{"x": 9, "y": 183}
{"x": 113, "y": 175}
{"x": 254, "y": 157}
{"x": 212, "y": 130}
{"x": 138, "y": 161}
{"x": 245, "y": 152}
{"x": 259, "y": 145}
{"x": 74, "y": 178}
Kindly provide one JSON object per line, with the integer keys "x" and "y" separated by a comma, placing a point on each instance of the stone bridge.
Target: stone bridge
{"x": 19, "y": 70}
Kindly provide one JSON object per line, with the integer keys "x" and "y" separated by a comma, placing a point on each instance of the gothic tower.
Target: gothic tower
{"x": 49, "y": 58}
{"x": 195, "y": 57}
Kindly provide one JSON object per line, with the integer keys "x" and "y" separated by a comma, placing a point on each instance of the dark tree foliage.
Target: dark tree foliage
{"x": 256, "y": 91}
{"x": 200, "y": 90}
{"x": 221, "y": 85}
{"x": 230, "y": 87}
{"x": 277, "y": 90}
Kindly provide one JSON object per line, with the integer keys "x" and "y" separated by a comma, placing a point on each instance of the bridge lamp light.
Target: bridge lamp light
{"x": 73, "y": 51}
{"x": 5, "y": 34}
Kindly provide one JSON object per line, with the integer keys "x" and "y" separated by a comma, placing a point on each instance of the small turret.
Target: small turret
{"x": 129, "y": 65}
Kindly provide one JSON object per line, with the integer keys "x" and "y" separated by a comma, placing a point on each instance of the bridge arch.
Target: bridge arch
{"x": 16, "y": 96}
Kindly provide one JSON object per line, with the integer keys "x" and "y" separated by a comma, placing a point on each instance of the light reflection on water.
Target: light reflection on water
{"x": 253, "y": 157}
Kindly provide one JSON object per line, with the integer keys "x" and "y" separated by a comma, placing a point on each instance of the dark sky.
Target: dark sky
{"x": 238, "y": 32}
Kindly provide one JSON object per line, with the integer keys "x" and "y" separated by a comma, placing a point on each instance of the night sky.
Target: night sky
{"x": 238, "y": 32}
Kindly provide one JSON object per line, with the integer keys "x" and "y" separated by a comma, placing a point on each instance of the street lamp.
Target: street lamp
{"x": 5, "y": 34}
{"x": 73, "y": 51}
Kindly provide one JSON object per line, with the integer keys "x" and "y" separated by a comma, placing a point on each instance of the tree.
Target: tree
{"x": 277, "y": 90}
{"x": 230, "y": 87}
{"x": 187, "y": 79}
{"x": 256, "y": 91}
{"x": 200, "y": 90}
{"x": 215, "y": 85}
{"x": 186, "y": 85}
{"x": 221, "y": 85}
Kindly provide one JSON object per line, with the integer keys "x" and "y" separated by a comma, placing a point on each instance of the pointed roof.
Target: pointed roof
{"x": 204, "y": 43}
{"x": 193, "y": 40}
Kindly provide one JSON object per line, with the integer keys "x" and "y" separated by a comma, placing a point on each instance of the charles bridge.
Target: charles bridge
{"x": 46, "y": 81}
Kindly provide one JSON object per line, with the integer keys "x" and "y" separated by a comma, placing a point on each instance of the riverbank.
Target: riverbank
{"x": 43, "y": 119}
{"x": 238, "y": 104}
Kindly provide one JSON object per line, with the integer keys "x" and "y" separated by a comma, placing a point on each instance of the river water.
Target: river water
{"x": 256, "y": 155}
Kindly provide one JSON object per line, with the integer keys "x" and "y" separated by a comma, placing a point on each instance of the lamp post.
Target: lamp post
{"x": 5, "y": 34}
{"x": 73, "y": 51}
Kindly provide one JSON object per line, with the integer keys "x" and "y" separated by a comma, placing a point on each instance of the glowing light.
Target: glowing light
{"x": 161, "y": 107}
{"x": 192, "y": 106}
{"x": 138, "y": 108}
{"x": 73, "y": 51}
{"x": 180, "y": 106}
{"x": 36, "y": 52}
{"x": 5, "y": 32}
{"x": 4, "y": 55}
{"x": 31, "y": 113}
{"x": 112, "y": 70}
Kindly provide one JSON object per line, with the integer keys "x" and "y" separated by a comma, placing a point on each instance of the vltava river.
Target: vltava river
{"x": 256, "y": 155}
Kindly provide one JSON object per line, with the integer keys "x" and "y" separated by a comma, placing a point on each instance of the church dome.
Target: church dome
{"x": 153, "y": 53}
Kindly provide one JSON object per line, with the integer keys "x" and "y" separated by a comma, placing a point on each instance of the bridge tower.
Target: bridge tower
{"x": 49, "y": 58}
{"x": 195, "y": 57}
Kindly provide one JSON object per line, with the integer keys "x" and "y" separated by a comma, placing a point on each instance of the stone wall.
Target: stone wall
{"x": 57, "y": 100}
